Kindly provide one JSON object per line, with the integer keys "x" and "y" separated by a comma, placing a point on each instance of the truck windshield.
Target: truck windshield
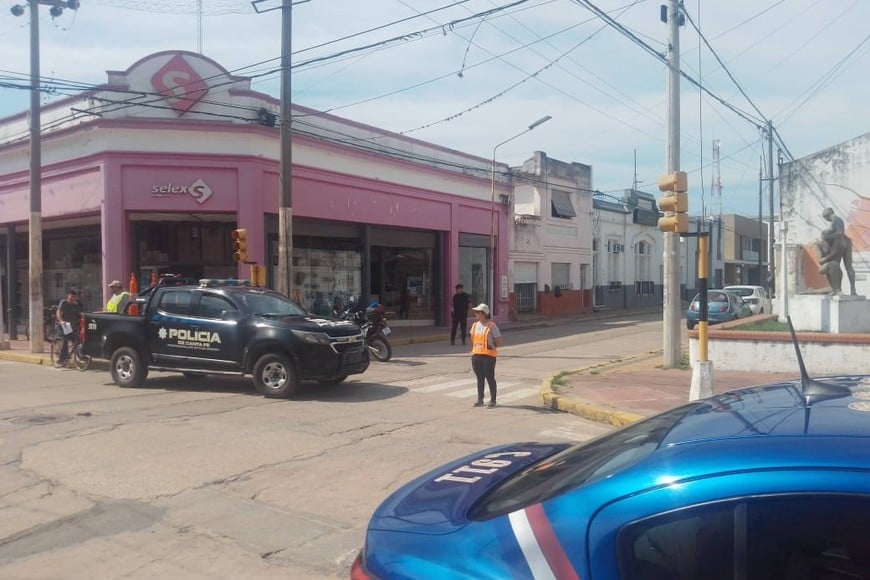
{"x": 270, "y": 305}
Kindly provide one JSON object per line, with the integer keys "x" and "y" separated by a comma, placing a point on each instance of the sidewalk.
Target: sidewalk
{"x": 617, "y": 392}
{"x": 627, "y": 390}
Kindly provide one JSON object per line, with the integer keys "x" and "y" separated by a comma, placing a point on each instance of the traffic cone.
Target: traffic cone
{"x": 134, "y": 290}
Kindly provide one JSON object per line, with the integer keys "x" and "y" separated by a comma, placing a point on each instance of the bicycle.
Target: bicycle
{"x": 77, "y": 357}
{"x": 50, "y": 330}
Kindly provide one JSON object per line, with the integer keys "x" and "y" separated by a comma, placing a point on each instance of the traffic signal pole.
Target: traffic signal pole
{"x": 671, "y": 343}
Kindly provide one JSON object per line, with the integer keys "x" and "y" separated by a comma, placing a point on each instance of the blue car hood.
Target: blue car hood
{"x": 438, "y": 502}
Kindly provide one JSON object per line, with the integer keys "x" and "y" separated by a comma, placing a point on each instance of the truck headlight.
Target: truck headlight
{"x": 311, "y": 337}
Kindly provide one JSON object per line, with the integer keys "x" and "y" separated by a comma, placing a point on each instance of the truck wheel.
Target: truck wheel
{"x": 127, "y": 368}
{"x": 380, "y": 349}
{"x": 274, "y": 376}
{"x": 336, "y": 380}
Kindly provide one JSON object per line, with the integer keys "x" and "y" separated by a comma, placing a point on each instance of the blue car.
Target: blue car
{"x": 769, "y": 482}
{"x": 722, "y": 306}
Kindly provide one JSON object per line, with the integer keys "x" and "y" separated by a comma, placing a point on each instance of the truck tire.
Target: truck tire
{"x": 127, "y": 368}
{"x": 274, "y": 376}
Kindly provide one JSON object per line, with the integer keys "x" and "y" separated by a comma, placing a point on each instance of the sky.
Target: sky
{"x": 471, "y": 74}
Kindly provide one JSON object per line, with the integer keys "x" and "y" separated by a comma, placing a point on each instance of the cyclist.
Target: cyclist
{"x": 69, "y": 312}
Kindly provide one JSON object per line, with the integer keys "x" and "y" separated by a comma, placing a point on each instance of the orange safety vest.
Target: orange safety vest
{"x": 480, "y": 342}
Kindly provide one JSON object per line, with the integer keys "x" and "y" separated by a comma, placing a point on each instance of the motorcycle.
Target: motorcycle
{"x": 373, "y": 322}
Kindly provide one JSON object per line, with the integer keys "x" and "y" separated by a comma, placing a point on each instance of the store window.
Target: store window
{"x": 190, "y": 249}
{"x": 71, "y": 261}
{"x": 325, "y": 279}
{"x": 474, "y": 266}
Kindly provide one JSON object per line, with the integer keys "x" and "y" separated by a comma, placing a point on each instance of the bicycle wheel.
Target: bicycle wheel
{"x": 81, "y": 361}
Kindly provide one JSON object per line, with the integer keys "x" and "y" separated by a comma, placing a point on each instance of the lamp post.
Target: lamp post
{"x": 492, "y": 212}
{"x": 37, "y": 338}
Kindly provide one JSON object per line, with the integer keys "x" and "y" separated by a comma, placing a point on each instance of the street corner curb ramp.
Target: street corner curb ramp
{"x": 600, "y": 414}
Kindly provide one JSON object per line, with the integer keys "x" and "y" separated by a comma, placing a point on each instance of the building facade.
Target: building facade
{"x": 627, "y": 251}
{"x": 550, "y": 260}
{"x": 149, "y": 174}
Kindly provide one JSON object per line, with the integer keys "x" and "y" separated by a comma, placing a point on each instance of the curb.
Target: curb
{"x": 44, "y": 359}
{"x": 608, "y": 415}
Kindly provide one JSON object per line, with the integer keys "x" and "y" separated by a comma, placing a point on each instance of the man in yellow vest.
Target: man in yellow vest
{"x": 119, "y": 299}
{"x": 485, "y": 340}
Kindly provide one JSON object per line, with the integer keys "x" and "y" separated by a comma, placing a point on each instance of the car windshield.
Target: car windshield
{"x": 580, "y": 464}
{"x": 742, "y": 291}
{"x": 268, "y": 304}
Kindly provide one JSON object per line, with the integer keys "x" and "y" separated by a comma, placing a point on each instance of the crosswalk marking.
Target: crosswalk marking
{"x": 443, "y": 386}
{"x": 467, "y": 387}
{"x": 518, "y": 394}
{"x": 468, "y": 393}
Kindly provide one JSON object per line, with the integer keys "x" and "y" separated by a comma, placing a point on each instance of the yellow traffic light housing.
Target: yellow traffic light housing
{"x": 677, "y": 223}
{"x": 240, "y": 245}
{"x": 258, "y": 275}
{"x": 675, "y": 203}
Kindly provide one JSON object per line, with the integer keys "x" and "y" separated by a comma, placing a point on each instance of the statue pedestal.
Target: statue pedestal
{"x": 840, "y": 314}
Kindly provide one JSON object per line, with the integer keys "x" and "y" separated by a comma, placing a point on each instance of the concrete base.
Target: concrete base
{"x": 838, "y": 314}
{"x": 702, "y": 381}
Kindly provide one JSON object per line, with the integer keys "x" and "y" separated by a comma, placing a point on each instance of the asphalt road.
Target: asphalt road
{"x": 205, "y": 479}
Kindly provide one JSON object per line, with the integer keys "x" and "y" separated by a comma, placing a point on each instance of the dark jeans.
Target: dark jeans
{"x": 68, "y": 340}
{"x": 484, "y": 368}
{"x": 462, "y": 323}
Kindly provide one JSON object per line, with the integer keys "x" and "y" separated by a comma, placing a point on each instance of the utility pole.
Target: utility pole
{"x": 284, "y": 274}
{"x": 37, "y": 338}
{"x": 285, "y": 211}
{"x": 761, "y": 227}
{"x": 770, "y": 269}
{"x": 671, "y": 343}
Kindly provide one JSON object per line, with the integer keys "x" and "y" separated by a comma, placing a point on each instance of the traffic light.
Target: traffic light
{"x": 675, "y": 203}
{"x": 240, "y": 245}
{"x": 258, "y": 275}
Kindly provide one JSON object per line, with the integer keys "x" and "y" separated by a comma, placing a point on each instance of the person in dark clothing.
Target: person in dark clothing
{"x": 68, "y": 311}
{"x": 459, "y": 314}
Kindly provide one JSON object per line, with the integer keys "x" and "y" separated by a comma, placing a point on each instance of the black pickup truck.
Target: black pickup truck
{"x": 226, "y": 327}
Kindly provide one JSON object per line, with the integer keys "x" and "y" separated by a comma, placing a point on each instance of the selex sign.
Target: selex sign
{"x": 198, "y": 190}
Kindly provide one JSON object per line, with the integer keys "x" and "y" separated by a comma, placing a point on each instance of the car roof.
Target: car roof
{"x": 780, "y": 409}
{"x": 728, "y": 287}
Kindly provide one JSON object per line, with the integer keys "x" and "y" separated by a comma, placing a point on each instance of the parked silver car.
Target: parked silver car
{"x": 755, "y": 296}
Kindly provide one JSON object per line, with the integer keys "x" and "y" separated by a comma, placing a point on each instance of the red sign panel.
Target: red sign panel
{"x": 180, "y": 84}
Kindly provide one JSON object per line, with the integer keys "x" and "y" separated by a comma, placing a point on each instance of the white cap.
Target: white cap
{"x": 482, "y": 308}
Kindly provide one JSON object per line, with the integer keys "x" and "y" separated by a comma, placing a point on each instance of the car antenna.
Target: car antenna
{"x": 814, "y": 391}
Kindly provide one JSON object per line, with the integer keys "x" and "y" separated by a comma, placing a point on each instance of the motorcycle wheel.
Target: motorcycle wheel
{"x": 380, "y": 349}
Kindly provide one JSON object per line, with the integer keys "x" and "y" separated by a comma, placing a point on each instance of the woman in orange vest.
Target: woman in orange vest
{"x": 485, "y": 340}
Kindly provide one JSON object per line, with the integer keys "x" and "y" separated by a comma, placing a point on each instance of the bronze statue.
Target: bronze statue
{"x": 835, "y": 246}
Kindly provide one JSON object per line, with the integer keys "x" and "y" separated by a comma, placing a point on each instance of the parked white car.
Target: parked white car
{"x": 755, "y": 296}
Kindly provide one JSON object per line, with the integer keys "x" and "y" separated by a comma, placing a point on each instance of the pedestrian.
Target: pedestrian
{"x": 485, "y": 340}
{"x": 120, "y": 297}
{"x": 69, "y": 312}
{"x": 459, "y": 314}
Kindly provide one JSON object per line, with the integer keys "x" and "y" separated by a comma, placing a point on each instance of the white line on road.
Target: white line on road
{"x": 501, "y": 388}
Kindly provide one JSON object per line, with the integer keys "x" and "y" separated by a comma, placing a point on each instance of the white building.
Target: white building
{"x": 550, "y": 259}
{"x": 627, "y": 248}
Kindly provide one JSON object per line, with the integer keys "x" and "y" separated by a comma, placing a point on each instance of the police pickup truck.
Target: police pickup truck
{"x": 226, "y": 327}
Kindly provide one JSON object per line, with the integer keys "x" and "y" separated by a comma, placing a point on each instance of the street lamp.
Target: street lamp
{"x": 492, "y": 211}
